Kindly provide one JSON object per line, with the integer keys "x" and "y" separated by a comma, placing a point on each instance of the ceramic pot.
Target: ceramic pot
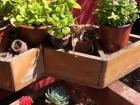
{"x": 33, "y": 35}
{"x": 60, "y": 43}
{"x": 83, "y": 46}
{"x": 114, "y": 38}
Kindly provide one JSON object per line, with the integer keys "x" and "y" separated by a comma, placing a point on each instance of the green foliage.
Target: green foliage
{"x": 5, "y": 8}
{"x": 55, "y": 13}
{"x": 117, "y": 12}
{"x": 60, "y": 17}
{"x": 28, "y": 12}
{"x": 57, "y": 95}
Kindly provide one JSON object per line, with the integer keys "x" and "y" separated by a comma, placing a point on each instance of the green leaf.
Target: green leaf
{"x": 66, "y": 30}
{"x": 14, "y": 22}
{"x": 19, "y": 18}
{"x": 74, "y": 4}
{"x": 50, "y": 31}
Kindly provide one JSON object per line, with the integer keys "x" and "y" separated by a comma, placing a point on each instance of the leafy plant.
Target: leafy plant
{"x": 28, "y": 12}
{"x": 117, "y": 12}
{"x": 55, "y": 13}
{"x": 60, "y": 17}
{"x": 57, "y": 95}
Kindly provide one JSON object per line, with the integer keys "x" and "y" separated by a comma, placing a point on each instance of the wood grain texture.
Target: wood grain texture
{"x": 121, "y": 63}
{"x": 115, "y": 94}
{"x": 91, "y": 70}
{"x": 79, "y": 68}
{"x": 22, "y": 70}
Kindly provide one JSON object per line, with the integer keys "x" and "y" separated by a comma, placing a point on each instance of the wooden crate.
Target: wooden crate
{"x": 21, "y": 70}
{"x": 116, "y": 94}
{"x": 90, "y": 70}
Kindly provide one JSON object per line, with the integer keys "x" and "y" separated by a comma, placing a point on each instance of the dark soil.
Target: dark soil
{"x": 133, "y": 80}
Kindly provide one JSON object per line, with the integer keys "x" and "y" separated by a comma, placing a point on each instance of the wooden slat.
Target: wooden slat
{"x": 79, "y": 68}
{"x": 115, "y": 94}
{"x": 121, "y": 63}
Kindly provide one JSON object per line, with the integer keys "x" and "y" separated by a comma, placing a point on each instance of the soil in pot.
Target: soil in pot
{"x": 60, "y": 43}
{"x": 114, "y": 38}
{"x": 33, "y": 35}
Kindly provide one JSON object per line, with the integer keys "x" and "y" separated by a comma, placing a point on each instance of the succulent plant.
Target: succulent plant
{"x": 57, "y": 95}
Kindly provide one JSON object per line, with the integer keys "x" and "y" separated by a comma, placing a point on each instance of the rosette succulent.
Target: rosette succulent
{"x": 57, "y": 95}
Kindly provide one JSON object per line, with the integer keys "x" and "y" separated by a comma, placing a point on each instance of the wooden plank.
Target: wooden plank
{"x": 79, "y": 68}
{"x": 22, "y": 70}
{"x": 92, "y": 70}
{"x": 122, "y": 63}
{"x": 115, "y": 94}
{"x": 5, "y": 80}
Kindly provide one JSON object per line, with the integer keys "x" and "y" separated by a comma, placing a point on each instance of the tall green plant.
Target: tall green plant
{"x": 117, "y": 12}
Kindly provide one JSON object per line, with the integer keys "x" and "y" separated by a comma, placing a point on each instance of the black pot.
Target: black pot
{"x": 60, "y": 43}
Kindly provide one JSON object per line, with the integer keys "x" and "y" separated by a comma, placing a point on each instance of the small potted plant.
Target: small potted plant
{"x": 60, "y": 19}
{"x": 30, "y": 17}
{"x": 83, "y": 37}
{"x": 115, "y": 19}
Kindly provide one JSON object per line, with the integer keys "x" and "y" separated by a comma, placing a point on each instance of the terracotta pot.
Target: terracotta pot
{"x": 33, "y": 35}
{"x": 83, "y": 46}
{"x": 114, "y": 38}
{"x": 60, "y": 43}
{"x": 4, "y": 38}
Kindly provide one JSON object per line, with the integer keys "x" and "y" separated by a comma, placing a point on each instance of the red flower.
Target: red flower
{"x": 25, "y": 100}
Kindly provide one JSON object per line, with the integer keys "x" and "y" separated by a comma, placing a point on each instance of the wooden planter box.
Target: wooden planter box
{"x": 115, "y": 94}
{"x": 21, "y": 70}
{"x": 95, "y": 71}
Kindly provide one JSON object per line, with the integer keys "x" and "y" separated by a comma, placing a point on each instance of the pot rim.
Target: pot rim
{"x": 3, "y": 28}
{"x": 32, "y": 27}
{"x": 121, "y": 26}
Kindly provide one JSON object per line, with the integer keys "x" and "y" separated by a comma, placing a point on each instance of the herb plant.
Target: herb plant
{"x": 60, "y": 17}
{"x": 53, "y": 13}
{"x": 117, "y": 12}
{"x": 28, "y": 12}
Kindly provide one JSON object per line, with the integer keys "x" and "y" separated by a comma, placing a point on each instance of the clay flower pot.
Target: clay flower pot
{"x": 60, "y": 43}
{"x": 33, "y": 35}
{"x": 4, "y": 38}
{"x": 114, "y": 38}
{"x": 83, "y": 46}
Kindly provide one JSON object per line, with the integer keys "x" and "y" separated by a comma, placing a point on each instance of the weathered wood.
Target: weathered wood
{"x": 21, "y": 70}
{"x": 115, "y": 94}
{"x": 121, "y": 63}
{"x": 91, "y": 70}
{"x": 78, "y": 67}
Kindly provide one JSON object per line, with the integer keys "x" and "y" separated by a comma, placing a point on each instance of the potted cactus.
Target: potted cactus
{"x": 115, "y": 19}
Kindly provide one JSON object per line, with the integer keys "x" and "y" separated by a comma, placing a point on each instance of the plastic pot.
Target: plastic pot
{"x": 114, "y": 38}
